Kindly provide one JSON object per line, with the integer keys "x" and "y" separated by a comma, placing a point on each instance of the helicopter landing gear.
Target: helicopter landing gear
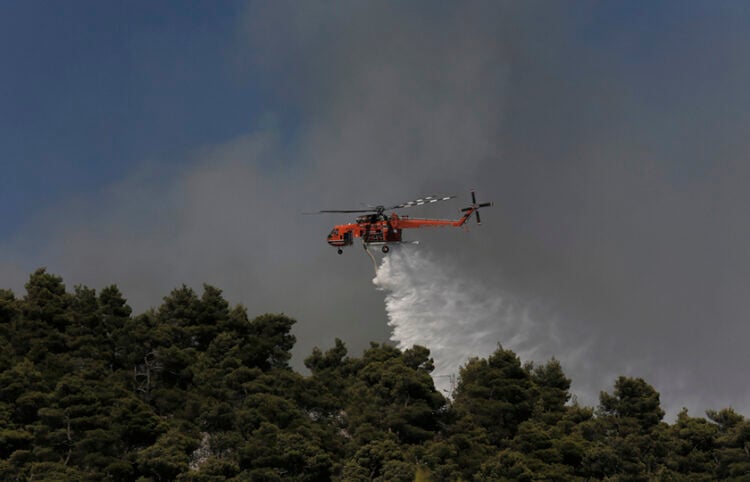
{"x": 340, "y": 251}
{"x": 385, "y": 248}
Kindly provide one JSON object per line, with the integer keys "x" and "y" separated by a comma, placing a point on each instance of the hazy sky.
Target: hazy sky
{"x": 151, "y": 144}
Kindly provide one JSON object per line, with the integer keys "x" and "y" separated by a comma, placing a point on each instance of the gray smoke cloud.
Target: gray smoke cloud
{"x": 614, "y": 150}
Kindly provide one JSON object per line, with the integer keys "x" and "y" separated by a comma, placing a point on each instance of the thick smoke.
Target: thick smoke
{"x": 430, "y": 303}
{"x": 612, "y": 140}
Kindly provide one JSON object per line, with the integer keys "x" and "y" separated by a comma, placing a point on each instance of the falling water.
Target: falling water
{"x": 429, "y": 304}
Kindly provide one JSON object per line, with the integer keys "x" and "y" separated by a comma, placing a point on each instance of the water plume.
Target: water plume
{"x": 428, "y": 303}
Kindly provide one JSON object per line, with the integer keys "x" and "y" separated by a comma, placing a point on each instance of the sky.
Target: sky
{"x": 151, "y": 144}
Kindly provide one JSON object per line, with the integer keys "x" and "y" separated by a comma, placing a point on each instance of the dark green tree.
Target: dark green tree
{"x": 114, "y": 315}
{"x": 392, "y": 392}
{"x": 551, "y": 390}
{"x": 40, "y": 332}
{"x": 497, "y": 393}
{"x": 634, "y": 405}
{"x": 693, "y": 445}
{"x": 270, "y": 341}
{"x": 9, "y": 314}
{"x": 732, "y": 444}
{"x": 631, "y": 416}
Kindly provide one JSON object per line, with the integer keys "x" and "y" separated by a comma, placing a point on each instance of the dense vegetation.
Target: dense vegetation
{"x": 197, "y": 391}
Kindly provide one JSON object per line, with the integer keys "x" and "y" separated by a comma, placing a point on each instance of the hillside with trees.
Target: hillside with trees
{"x": 198, "y": 390}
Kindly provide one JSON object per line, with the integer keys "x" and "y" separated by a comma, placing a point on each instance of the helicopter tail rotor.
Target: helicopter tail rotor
{"x": 474, "y": 208}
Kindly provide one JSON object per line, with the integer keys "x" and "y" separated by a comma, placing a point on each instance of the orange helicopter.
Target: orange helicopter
{"x": 380, "y": 229}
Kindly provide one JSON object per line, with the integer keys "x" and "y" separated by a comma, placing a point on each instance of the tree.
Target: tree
{"x": 389, "y": 394}
{"x": 320, "y": 363}
{"x": 632, "y": 415}
{"x": 9, "y": 313}
{"x": 272, "y": 453}
{"x": 213, "y": 310}
{"x": 272, "y": 341}
{"x": 325, "y": 394}
{"x": 46, "y": 299}
{"x": 179, "y": 313}
{"x": 733, "y": 444}
{"x": 551, "y": 390}
{"x": 45, "y": 317}
{"x": 694, "y": 442}
{"x": 633, "y": 400}
{"x": 379, "y": 460}
{"x": 114, "y": 315}
{"x": 497, "y": 393}
{"x": 169, "y": 456}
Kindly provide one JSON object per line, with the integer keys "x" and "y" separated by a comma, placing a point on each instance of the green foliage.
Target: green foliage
{"x": 633, "y": 400}
{"x": 732, "y": 444}
{"x": 497, "y": 393}
{"x": 195, "y": 390}
{"x": 169, "y": 456}
{"x": 392, "y": 392}
{"x": 693, "y": 446}
{"x": 551, "y": 390}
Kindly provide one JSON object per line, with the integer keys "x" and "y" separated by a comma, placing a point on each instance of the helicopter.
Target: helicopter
{"x": 377, "y": 228}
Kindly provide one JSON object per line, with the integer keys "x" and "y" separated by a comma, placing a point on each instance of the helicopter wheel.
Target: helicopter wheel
{"x": 340, "y": 251}
{"x": 385, "y": 248}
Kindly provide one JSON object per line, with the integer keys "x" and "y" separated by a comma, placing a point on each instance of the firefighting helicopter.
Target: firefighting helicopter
{"x": 380, "y": 229}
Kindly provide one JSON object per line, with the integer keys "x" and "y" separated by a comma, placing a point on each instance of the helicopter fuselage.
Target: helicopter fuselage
{"x": 381, "y": 228}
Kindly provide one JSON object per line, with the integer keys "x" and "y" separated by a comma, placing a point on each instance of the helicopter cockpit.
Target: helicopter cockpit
{"x": 339, "y": 238}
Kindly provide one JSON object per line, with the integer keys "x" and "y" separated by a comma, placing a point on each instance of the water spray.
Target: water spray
{"x": 429, "y": 304}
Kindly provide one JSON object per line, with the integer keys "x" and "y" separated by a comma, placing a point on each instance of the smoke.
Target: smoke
{"x": 429, "y": 303}
{"x": 613, "y": 144}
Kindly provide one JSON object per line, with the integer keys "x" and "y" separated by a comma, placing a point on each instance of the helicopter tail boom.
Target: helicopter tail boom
{"x": 410, "y": 223}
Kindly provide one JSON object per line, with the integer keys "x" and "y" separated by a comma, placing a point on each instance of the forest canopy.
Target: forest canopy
{"x": 197, "y": 390}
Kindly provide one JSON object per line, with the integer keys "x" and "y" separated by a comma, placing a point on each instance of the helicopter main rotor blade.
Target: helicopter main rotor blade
{"x": 346, "y": 211}
{"x": 380, "y": 209}
{"x": 421, "y": 202}
{"x": 342, "y": 211}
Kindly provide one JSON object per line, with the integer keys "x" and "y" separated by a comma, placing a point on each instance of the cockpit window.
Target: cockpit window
{"x": 334, "y": 232}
